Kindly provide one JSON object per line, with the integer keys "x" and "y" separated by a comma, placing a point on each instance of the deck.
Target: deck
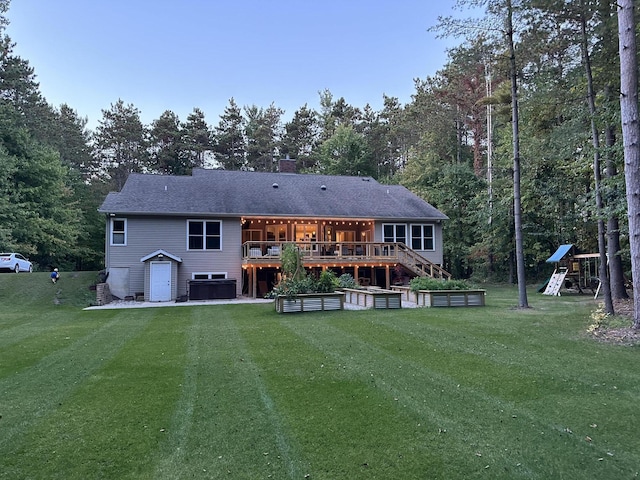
{"x": 344, "y": 254}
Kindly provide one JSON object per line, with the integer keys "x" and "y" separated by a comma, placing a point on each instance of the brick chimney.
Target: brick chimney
{"x": 287, "y": 165}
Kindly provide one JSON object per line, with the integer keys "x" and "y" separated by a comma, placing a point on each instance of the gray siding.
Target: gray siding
{"x": 145, "y": 235}
{"x": 436, "y": 256}
{"x": 106, "y": 241}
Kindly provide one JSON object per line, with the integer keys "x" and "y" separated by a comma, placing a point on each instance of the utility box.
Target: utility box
{"x": 212, "y": 289}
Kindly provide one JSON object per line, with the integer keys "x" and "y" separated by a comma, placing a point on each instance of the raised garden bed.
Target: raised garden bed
{"x": 310, "y": 302}
{"x": 450, "y": 298}
{"x": 406, "y": 293}
{"x": 373, "y": 298}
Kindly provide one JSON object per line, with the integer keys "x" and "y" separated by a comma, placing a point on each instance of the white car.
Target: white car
{"x": 14, "y": 262}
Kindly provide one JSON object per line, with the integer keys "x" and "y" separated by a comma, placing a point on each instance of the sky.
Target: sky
{"x": 178, "y": 55}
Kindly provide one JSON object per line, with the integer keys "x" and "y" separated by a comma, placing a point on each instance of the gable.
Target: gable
{"x": 161, "y": 253}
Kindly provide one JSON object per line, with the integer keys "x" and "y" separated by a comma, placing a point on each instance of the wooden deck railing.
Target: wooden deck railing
{"x": 420, "y": 265}
{"x": 343, "y": 252}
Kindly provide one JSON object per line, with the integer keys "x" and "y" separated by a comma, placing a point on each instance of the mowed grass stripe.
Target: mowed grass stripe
{"x": 94, "y": 403}
{"x": 26, "y": 344}
{"x": 529, "y": 376}
{"x": 170, "y": 456}
{"x": 533, "y": 385}
{"x": 15, "y": 326}
{"x": 232, "y": 430}
{"x": 418, "y": 385}
{"x": 346, "y": 427}
{"x": 35, "y": 391}
{"x": 424, "y": 396}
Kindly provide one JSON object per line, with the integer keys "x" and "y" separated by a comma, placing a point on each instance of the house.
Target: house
{"x": 174, "y": 236}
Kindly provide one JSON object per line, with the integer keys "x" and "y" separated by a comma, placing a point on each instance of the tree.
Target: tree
{"x": 166, "y": 145}
{"x": 517, "y": 198}
{"x": 454, "y": 189}
{"x": 4, "y": 21}
{"x": 595, "y": 135}
{"x": 386, "y": 135}
{"x": 631, "y": 135}
{"x": 500, "y": 21}
{"x": 399, "y": 136}
{"x": 335, "y": 113}
{"x": 301, "y": 137}
{"x": 263, "y": 132}
{"x": 230, "y": 147}
{"x": 39, "y": 216}
{"x": 71, "y": 139}
{"x": 464, "y": 88}
{"x": 19, "y": 88}
{"x": 432, "y": 123}
{"x": 606, "y": 56}
{"x": 197, "y": 138}
{"x": 345, "y": 153}
{"x": 120, "y": 143}
{"x": 376, "y": 135}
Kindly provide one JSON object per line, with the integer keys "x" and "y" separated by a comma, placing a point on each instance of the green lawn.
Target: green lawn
{"x": 240, "y": 392}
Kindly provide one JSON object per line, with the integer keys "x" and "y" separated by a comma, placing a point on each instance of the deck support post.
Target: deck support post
{"x": 254, "y": 282}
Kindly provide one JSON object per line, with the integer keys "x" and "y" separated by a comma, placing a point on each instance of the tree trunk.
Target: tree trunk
{"x": 602, "y": 247}
{"x": 517, "y": 202}
{"x": 631, "y": 137}
{"x": 616, "y": 272}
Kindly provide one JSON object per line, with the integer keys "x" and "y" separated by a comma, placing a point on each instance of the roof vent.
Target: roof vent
{"x": 323, "y": 187}
{"x": 275, "y": 185}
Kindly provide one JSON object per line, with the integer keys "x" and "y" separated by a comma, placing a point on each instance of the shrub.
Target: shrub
{"x": 327, "y": 283}
{"x": 295, "y": 280}
{"x": 346, "y": 280}
{"x": 290, "y": 287}
{"x": 292, "y": 262}
{"x": 427, "y": 283}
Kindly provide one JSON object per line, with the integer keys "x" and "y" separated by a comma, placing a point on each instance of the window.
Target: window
{"x": 276, "y": 233}
{"x": 204, "y": 235}
{"x": 209, "y": 276}
{"x": 394, "y": 232}
{"x": 118, "y": 231}
{"x": 345, "y": 236}
{"x": 422, "y": 237}
{"x": 251, "y": 236}
{"x": 305, "y": 233}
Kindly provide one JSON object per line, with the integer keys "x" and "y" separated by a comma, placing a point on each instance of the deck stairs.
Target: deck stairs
{"x": 419, "y": 265}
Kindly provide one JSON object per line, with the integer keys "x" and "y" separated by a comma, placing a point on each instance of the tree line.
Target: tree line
{"x": 452, "y": 143}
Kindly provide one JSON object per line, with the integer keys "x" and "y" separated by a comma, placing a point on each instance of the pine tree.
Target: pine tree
{"x": 230, "y": 148}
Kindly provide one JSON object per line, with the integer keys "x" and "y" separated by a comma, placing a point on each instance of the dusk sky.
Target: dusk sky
{"x": 167, "y": 55}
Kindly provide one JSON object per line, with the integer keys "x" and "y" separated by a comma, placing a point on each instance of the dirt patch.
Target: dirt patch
{"x": 616, "y": 334}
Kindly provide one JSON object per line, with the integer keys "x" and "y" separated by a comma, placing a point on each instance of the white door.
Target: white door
{"x": 160, "y": 282}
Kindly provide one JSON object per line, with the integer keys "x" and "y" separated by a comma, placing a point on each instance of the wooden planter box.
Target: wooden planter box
{"x": 310, "y": 302}
{"x": 450, "y": 298}
{"x": 373, "y": 298}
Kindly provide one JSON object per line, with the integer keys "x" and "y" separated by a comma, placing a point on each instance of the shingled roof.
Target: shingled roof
{"x": 237, "y": 193}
